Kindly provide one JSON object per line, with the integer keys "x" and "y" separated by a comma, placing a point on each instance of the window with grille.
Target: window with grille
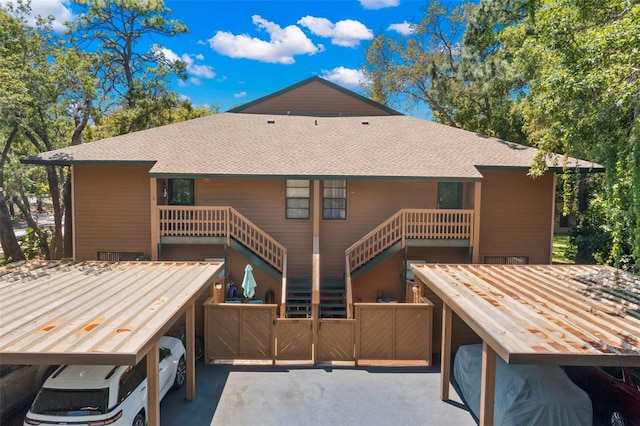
{"x": 334, "y": 199}
{"x": 297, "y": 195}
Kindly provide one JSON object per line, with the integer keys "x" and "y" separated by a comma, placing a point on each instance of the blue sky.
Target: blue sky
{"x": 238, "y": 51}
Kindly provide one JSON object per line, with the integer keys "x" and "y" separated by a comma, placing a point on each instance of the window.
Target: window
{"x": 297, "y": 194}
{"x": 334, "y": 199}
{"x": 449, "y": 195}
{"x": 181, "y": 192}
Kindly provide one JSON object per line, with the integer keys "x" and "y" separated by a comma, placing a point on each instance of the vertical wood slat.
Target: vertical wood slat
{"x": 153, "y": 385}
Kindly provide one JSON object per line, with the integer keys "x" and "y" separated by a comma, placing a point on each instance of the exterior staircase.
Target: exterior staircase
{"x": 298, "y": 299}
{"x": 333, "y": 298}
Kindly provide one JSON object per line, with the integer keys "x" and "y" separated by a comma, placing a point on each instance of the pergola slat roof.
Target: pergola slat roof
{"x": 93, "y": 312}
{"x": 545, "y": 314}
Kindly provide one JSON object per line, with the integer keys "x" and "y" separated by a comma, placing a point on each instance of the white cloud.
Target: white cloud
{"x": 346, "y": 77}
{"x": 403, "y": 28}
{"x": 378, "y": 4}
{"x": 283, "y": 44}
{"x": 346, "y": 33}
{"x": 183, "y": 97}
{"x": 195, "y": 81}
{"x": 193, "y": 69}
{"x": 59, "y": 9}
{"x": 240, "y": 95}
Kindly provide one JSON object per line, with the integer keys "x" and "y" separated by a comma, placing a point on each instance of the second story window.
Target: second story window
{"x": 181, "y": 192}
{"x": 334, "y": 199}
{"x": 449, "y": 195}
{"x": 297, "y": 194}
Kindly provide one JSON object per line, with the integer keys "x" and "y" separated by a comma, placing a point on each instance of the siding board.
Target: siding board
{"x": 516, "y": 216}
{"x": 111, "y": 205}
{"x": 315, "y": 99}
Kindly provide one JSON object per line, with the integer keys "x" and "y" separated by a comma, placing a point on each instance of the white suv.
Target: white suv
{"x": 105, "y": 395}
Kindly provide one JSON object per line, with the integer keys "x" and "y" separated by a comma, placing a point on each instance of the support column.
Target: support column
{"x": 477, "y": 201}
{"x": 445, "y": 353}
{"x": 153, "y": 385}
{"x": 553, "y": 217}
{"x": 487, "y": 385}
{"x": 190, "y": 332}
{"x": 155, "y": 225}
{"x": 315, "y": 267}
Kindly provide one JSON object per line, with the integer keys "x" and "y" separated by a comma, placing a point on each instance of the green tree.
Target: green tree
{"x": 133, "y": 82}
{"x": 461, "y": 80}
{"x": 582, "y": 60}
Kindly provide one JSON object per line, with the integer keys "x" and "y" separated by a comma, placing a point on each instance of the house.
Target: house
{"x": 328, "y": 195}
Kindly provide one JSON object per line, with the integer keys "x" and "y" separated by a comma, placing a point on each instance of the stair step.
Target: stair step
{"x": 298, "y": 305}
{"x": 341, "y": 313}
{"x": 332, "y": 305}
{"x": 328, "y": 297}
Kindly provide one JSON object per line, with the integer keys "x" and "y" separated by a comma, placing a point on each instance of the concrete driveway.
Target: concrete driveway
{"x": 285, "y": 395}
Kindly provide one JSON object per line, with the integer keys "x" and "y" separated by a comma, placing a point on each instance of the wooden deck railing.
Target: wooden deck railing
{"x": 406, "y": 224}
{"x": 209, "y": 221}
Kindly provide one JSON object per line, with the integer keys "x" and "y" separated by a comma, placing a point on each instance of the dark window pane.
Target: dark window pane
{"x": 449, "y": 195}
{"x": 181, "y": 192}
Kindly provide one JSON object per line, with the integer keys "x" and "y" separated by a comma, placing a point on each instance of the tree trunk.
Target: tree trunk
{"x": 23, "y": 205}
{"x": 56, "y": 247}
{"x": 8, "y": 238}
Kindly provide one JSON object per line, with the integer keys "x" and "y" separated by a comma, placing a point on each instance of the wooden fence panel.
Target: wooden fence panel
{"x": 294, "y": 339}
{"x": 394, "y": 331}
{"x": 336, "y": 339}
{"x": 239, "y": 331}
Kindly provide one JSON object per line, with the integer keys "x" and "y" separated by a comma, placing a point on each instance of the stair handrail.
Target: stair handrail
{"x": 253, "y": 237}
{"x": 375, "y": 241}
{"x": 450, "y": 223}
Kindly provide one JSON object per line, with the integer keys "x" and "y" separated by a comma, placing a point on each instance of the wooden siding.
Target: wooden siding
{"x": 263, "y": 203}
{"x": 111, "y": 205}
{"x": 368, "y": 205}
{"x": 516, "y": 216}
{"x": 315, "y": 99}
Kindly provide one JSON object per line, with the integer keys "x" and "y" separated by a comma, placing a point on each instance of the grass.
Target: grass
{"x": 561, "y": 245}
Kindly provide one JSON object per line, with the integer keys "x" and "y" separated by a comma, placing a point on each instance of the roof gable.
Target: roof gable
{"x": 317, "y": 97}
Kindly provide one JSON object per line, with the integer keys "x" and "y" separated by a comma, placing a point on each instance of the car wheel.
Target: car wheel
{"x": 181, "y": 374}
{"x": 139, "y": 420}
{"x": 617, "y": 419}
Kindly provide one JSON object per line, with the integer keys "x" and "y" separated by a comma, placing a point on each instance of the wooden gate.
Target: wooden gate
{"x": 336, "y": 340}
{"x": 294, "y": 339}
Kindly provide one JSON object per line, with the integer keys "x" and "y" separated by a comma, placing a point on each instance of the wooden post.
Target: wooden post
{"x": 553, "y": 217}
{"x": 153, "y": 385}
{"x": 487, "y": 385}
{"x": 445, "y": 353}
{"x": 190, "y": 332}
{"x": 476, "y": 223}
{"x": 73, "y": 211}
{"x": 315, "y": 269}
{"x": 155, "y": 225}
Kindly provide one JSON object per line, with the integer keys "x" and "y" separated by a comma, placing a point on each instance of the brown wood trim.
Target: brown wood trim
{"x": 153, "y": 385}
{"x": 487, "y": 385}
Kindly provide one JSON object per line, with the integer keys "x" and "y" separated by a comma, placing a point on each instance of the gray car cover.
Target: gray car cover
{"x": 525, "y": 394}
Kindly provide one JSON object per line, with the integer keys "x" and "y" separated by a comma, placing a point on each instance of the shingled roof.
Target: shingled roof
{"x": 235, "y": 144}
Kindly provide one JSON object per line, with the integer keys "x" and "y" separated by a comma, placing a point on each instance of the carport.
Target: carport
{"x": 543, "y": 314}
{"x": 100, "y": 313}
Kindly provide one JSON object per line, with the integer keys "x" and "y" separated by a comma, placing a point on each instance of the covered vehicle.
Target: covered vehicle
{"x": 525, "y": 394}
